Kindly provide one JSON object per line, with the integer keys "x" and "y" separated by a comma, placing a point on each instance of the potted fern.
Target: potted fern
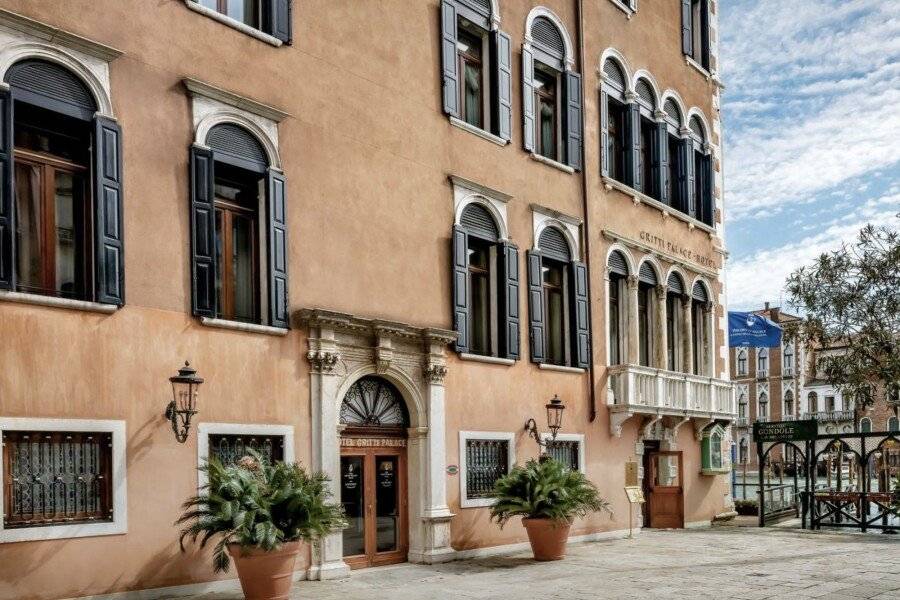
{"x": 548, "y": 496}
{"x": 260, "y": 513}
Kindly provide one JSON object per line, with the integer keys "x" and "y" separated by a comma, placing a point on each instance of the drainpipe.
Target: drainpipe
{"x": 584, "y": 201}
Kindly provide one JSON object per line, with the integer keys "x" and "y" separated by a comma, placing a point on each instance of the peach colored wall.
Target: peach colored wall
{"x": 367, "y": 152}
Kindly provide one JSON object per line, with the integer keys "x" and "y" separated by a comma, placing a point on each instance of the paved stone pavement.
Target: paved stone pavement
{"x": 719, "y": 562}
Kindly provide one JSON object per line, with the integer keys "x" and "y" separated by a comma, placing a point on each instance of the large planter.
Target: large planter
{"x": 265, "y": 575}
{"x": 548, "y": 537}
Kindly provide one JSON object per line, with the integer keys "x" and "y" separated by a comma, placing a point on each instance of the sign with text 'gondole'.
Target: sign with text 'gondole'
{"x": 785, "y": 431}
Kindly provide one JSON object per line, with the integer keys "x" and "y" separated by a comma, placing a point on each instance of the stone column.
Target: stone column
{"x": 687, "y": 337}
{"x": 710, "y": 315}
{"x": 632, "y": 348}
{"x": 662, "y": 331}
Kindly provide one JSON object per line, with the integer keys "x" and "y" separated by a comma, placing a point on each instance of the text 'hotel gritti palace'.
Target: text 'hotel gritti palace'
{"x": 385, "y": 234}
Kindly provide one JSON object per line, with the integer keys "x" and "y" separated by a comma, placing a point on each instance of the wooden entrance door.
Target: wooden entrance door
{"x": 373, "y": 493}
{"x": 666, "y": 501}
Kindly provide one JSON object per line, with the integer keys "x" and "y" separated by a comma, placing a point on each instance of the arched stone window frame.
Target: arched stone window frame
{"x": 707, "y": 359}
{"x": 762, "y": 362}
{"x": 701, "y": 208}
{"x": 680, "y": 342}
{"x": 650, "y": 127}
{"x": 624, "y": 96}
{"x": 787, "y": 402}
{"x": 812, "y": 402}
{"x": 624, "y": 327}
{"x": 865, "y": 425}
{"x": 656, "y": 312}
{"x": 741, "y": 366}
{"x": 788, "y": 359}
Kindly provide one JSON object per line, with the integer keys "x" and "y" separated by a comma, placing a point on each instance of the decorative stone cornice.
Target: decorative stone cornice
{"x": 199, "y": 88}
{"x": 318, "y": 318}
{"x": 55, "y": 35}
{"x": 322, "y": 361}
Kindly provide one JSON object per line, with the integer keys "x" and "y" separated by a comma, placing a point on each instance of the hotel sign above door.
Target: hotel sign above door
{"x": 683, "y": 252}
{"x": 785, "y": 431}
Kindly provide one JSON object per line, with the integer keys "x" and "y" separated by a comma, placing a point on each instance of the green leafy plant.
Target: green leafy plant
{"x": 545, "y": 489}
{"x": 746, "y": 507}
{"x": 259, "y": 505}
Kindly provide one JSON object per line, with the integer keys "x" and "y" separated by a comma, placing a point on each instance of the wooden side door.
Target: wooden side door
{"x": 374, "y": 496}
{"x": 666, "y": 501}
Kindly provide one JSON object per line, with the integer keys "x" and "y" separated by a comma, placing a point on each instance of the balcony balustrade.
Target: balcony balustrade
{"x": 742, "y": 422}
{"x": 762, "y": 418}
{"x": 640, "y": 390}
{"x": 830, "y": 415}
{"x": 788, "y": 418}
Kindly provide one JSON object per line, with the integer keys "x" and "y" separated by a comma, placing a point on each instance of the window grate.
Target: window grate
{"x": 673, "y": 111}
{"x": 53, "y": 477}
{"x": 565, "y": 452}
{"x": 476, "y": 219}
{"x": 553, "y": 244}
{"x": 613, "y": 73}
{"x": 486, "y": 462}
{"x": 230, "y": 448}
{"x": 546, "y": 35}
{"x": 645, "y": 93}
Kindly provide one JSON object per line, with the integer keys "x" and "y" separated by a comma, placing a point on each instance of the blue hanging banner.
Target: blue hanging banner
{"x": 749, "y": 329}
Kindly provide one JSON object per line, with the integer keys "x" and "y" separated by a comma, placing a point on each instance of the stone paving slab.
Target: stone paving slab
{"x": 721, "y": 562}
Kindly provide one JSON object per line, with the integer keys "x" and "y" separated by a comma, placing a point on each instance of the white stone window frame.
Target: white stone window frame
{"x": 204, "y": 430}
{"x": 262, "y": 36}
{"x": 629, "y": 7}
{"x": 466, "y": 192}
{"x": 464, "y": 436}
{"x": 543, "y": 217}
{"x": 570, "y": 437}
{"x": 119, "y": 524}
{"x": 737, "y": 362}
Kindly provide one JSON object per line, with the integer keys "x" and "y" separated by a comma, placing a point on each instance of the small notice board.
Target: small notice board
{"x": 635, "y": 495}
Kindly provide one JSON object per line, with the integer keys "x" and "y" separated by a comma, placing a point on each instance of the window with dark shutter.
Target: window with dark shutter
{"x": 61, "y": 173}
{"x": 233, "y": 190}
{"x": 231, "y": 448}
{"x": 56, "y": 478}
{"x": 486, "y": 462}
{"x": 613, "y": 122}
{"x": 269, "y": 16}
{"x": 617, "y": 268}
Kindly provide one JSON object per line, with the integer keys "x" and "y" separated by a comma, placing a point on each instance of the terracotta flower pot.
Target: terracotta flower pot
{"x": 548, "y": 537}
{"x": 265, "y": 575}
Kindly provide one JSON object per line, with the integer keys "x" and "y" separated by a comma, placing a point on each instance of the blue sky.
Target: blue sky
{"x": 811, "y": 115}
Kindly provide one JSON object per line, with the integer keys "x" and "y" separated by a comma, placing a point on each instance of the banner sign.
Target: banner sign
{"x": 749, "y": 329}
{"x": 785, "y": 431}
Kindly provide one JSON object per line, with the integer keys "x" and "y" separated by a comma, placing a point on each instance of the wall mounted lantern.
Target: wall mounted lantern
{"x": 183, "y": 406}
{"x": 555, "y": 410}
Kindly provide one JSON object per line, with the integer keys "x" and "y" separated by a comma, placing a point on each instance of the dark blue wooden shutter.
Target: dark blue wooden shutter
{"x": 690, "y": 200}
{"x": 687, "y": 34}
{"x": 633, "y": 145}
{"x": 708, "y": 186}
{"x": 450, "y": 71}
{"x": 573, "y": 120}
{"x": 109, "y": 263}
{"x": 528, "y": 99}
{"x": 501, "y": 53}
{"x": 7, "y": 201}
{"x": 581, "y": 326}
{"x": 459, "y": 262}
{"x": 278, "y": 273}
{"x": 536, "y": 308}
{"x": 280, "y": 20}
{"x": 661, "y": 161}
{"x": 604, "y": 134}
{"x": 509, "y": 300}
{"x": 203, "y": 233}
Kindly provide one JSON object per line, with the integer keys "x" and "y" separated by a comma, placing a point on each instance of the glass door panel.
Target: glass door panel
{"x": 665, "y": 467}
{"x": 353, "y": 500}
{"x": 387, "y": 503}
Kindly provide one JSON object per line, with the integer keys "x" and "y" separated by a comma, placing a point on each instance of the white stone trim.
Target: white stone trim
{"x": 54, "y": 302}
{"x": 245, "y": 327}
{"x": 119, "y": 524}
{"x": 552, "y": 163}
{"x": 542, "y": 218}
{"x": 707, "y": 129}
{"x": 466, "y": 192}
{"x": 625, "y": 8}
{"x": 674, "y": 96}
{"x": 667, "y": 211}
{"x": 201, "y": 88}
{"x": 506, "y": 549}
{"x": 654, "y": 85}
{"x": 487, "y": 135}
{"x": 542, "y": 11}
{"x": 562, "y": 369}
{"x": 233, "y": 23}
{"x": 623, "y": 64}
{"x": 205, "y": 429}
{"x": 59, "y": 37}
{"x": 493, "y": 360}
{"x": 508, "y": 436}
{"x": 571, "y": 437}
{"x": 690, "y": 61}
{"x": 209, "y": 109}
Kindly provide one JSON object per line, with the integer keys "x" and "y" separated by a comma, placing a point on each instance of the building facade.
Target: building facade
{"x": 385, "y": 235}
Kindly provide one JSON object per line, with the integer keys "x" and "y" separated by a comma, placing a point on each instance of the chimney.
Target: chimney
{"x": 767, "y": 307}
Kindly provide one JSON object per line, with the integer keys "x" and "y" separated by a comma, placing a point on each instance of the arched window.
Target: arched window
{"x": 272, "y": 17}
{"x": 61, "y": 201}
{"x": 742, "y": 406}
{"x": 812, "y": 402}
{"x": 787, "y": 360}
{"x": 614, "y": 122}
{"x": 650, "y": 168}
{"x": 551, "y": 94}
{"x": 675, "y": 296}
{"x": 700, "y": 307}
{"x": 742, "y": 362}
{"x": 762, "y": 362}
{"x": 865, "y": 425}
{"x": 763, "y": 406}
{"x": 788, "y": 403}
{"x": 893, "y": 424}
{"x": 743, "y": 451}
{"x": 647, "y": 282}
{"x": 373, "y": 402}
{"x": 700, "y": 205}
{"x": 476, "y": 67}
{"x": 239, "y": 230}
{"x": 617, "y": 268}
{"x": 673, "y": 191}
{"x": 486, "y": 320}
{"x": 557, "y": 293}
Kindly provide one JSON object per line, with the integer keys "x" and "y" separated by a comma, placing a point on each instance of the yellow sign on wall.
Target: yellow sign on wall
{"x": 631, "y": 473}
{"x": 635, "y": 495}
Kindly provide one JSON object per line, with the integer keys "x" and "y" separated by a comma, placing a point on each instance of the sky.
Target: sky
{"x": 811, "y": 120}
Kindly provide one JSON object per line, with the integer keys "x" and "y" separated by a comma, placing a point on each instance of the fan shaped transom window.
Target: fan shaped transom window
{"x": 374, "y": 402}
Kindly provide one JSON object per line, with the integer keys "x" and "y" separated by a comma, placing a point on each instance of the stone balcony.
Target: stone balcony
{"x": 742, "y": 422}
{"x": 656, "y": 393}
{"x": 834, "y": 416}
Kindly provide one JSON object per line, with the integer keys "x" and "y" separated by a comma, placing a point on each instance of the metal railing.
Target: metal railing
{"x": 830, "y": 415}
{"x": 742, "y": 422}
{"x": 653, "y": 389}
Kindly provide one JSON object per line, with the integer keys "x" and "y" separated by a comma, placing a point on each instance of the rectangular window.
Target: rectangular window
{"x": 56, "y": 478}
{"x": 673, "y": 305}
{"x": 230, "y": 448}
{"x": 487, "y": 460}
{"x": 700, "y": 32}
{"x": 615, "y": 292}
{"x": 566, "y": 452}
{"x": 247, "y": 12}
{"x": 237, "y": 245}
{"x": 545, "y": 90}
{"x": 555, "y": 312}
{"x": 469, "y": 47}
{"x": 616, "y": 144}
{"x": 480, "y": 262}
{"x": 644, "y": 323}
{"x": 648, "y": 131}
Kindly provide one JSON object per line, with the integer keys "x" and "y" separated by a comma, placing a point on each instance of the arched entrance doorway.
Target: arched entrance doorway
{"x": 373, "y": 478}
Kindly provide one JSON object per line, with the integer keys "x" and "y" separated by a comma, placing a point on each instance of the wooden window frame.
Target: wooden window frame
{"x": 466, "y": 58}
{"x": 541, "y": 95}
{"x": 49, "y": 165}
{"x": 222, "y": 8}
{"x": 615, "y": 129}
{"x": 491, "y": 273}
{"x": 564, "y": 290}
{"x": 615, "y": 320}
{"x": 228, "y": 211}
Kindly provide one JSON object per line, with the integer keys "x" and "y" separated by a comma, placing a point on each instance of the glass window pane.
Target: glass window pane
{"x": 220, "y": 218}
{"x": 353, "y": 501}
{"x": 242, "y": 267}
{"x": 67, "y": 251}
{"x": 472, "y": 76}
{"x": 245, "y": 11}
{"x": 547, "y": 128}
{"x": 481, "y": 319}
{"x": 387, "y": 512}
{"x": 666, "y": 470}
{"x": 29, "y": 230}
{"x": 555, "y": 316}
